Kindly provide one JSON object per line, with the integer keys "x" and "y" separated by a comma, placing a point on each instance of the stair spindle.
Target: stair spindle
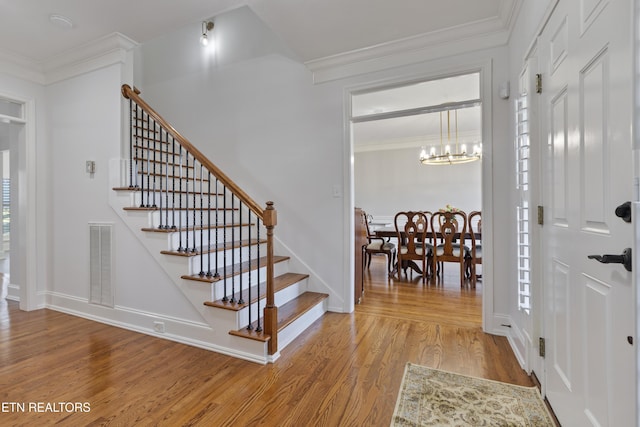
{"x": 131, "y": 143}
{"x": 202, "y": 251}
{"x": 224, "y": 243}
{"x": 164, "y": 158}
{"x": 180, "y": 247}
{"x": 155, "y": 148}
{"x": 217, "y": 274}
{"x": 233, "y": 252}
{"x": 209, "y": 273}
{"x": 173, "y": 184}
{"x": 241, "y": 300}
{"x": 259, "y": 326}
{"x": 250, "y": 325}
{"x": 148, "y": 131}
{"x": 194, "y": 249}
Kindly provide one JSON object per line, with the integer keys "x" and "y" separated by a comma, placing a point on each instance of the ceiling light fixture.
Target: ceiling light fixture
{"x": 61, "y": 21}
{"x": 206, "y": 27}
{"x": 446, "y": 156}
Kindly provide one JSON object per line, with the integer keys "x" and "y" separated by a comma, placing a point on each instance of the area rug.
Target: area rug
{"x": 430, "y": 397}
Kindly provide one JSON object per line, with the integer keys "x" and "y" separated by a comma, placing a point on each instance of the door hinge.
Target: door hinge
{"x": 540, "y": 215}
{"x": 538, "y": 83}
{"x": 541, "y": 347}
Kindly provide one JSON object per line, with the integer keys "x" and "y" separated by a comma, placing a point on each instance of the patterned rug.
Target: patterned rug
{"x": 430, "y": 397}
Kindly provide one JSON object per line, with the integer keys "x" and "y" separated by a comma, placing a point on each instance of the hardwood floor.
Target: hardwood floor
{"x": 346, "y": 371}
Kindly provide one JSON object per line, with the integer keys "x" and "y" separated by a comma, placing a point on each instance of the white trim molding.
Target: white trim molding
{"x": 96, "y": 54}
{"x": 452, "y": 41}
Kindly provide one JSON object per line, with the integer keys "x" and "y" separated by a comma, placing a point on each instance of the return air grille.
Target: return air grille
{"x": 100, "y": 256}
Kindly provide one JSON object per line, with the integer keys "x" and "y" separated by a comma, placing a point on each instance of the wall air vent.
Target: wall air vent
{"x": 101, "y": 265}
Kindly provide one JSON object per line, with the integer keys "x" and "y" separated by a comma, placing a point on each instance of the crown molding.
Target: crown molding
{"x": 474, "y": 36}
{"x": 99, "y": 53}
{"x": 15, "y": 65}
{"x": 105, "y": 51}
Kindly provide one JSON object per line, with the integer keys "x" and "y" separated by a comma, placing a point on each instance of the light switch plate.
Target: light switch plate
{"x": 91, "y": 166}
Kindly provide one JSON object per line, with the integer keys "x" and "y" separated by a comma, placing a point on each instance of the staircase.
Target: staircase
{"x": 212, "y": 239}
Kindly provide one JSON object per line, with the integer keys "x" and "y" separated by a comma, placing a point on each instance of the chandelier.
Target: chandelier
{"x": 446, "y": 156}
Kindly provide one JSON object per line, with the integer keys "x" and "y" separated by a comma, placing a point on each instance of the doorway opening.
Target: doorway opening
{"x": 398, "y": 131}
{"x": 391, "y": 126}
{"x": 12, "y": 140}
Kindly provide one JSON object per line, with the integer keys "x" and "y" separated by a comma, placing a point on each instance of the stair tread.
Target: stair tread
{"x": 287, "y": 314}
{"x": 215, "y": 248}
{"x": 238, "y": 268}
{"x": 280, "y": 282}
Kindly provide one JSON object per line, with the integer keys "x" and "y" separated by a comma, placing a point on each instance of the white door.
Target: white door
{"x": 586, "y": 115}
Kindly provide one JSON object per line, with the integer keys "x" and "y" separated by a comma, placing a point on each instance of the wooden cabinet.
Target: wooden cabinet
{"x": 360, "y": 242}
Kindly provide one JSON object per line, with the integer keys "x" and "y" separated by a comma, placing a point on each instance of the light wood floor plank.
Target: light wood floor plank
{"x": 345, "y": 371}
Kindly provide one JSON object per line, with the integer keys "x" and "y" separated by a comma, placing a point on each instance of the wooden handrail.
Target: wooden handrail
{"x": 133, "y": 94}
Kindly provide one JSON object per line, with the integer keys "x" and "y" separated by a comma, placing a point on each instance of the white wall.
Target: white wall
{"x": 390, "y": 181}
{"x": 85, "y": 124}
{"x": 256, "y": 113}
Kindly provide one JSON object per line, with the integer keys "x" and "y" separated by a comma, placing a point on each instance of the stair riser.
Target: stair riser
{"x": 182, "y": 219}
{"x": 232, "y": 256}
{"x": 281, "y": 297}
{"x": 201, "y": 237}
{"x": 176, "y": 199}
{"x": 218, "y": 287}
{"x": 167, "y": 168}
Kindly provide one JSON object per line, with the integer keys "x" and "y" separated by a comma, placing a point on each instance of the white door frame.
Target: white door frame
{"x": 489, "y": 322}
{"x": 24, "y": 250}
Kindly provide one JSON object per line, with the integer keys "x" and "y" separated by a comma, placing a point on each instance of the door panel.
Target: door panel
{"x": 587, "y": 171}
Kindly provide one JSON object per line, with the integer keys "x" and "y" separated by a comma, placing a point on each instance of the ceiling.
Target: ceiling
{"x": 317, "y": 31}
{"x": 313, "y": 29}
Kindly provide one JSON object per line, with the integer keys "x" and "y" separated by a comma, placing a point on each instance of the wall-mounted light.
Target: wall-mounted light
{"x": 206, "y": 27}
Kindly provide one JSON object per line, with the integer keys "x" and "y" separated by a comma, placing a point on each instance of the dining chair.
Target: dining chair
{"x": 377, "y": 245}
{"x": 411, "y": 229}
{"x": 449, "y": 228}
{"x": 475, "y": 254}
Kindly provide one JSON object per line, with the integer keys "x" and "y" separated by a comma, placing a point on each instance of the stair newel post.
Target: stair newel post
{"x": 270, "y": 310}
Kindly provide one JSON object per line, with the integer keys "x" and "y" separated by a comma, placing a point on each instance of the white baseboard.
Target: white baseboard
{"x": 183, "y": 331}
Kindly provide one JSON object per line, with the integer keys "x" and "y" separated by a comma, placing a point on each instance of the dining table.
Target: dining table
{"x": 389, "y": 232}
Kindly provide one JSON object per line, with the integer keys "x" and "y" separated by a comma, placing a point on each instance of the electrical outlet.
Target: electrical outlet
{"x": 158, "y": 327}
